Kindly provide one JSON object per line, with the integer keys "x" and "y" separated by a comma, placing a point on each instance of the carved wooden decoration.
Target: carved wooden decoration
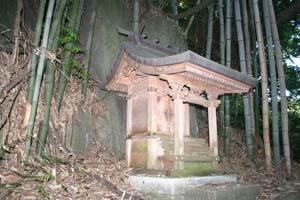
{"x": 160, "y": 85}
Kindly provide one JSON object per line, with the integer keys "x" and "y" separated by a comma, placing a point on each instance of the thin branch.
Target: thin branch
{"x": 11, "y": 85}
{"x": 193, "y": 10}
{"x": 5, "y": 118}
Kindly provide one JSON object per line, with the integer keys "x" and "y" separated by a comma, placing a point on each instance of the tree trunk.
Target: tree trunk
{"x": 242, "y": 57}
{"x": 50, "y": 75}
{"x": 39, "y": 77}
{"x": 276, "y": 146}
{"x": 284, "y": 113}
{"x": 88, "y": 48}
{"x": 264, "y": 85}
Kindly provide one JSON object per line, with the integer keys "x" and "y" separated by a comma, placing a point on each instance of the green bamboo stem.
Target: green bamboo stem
{"x": 50, "y": 76}
{"x": 36, "y": 42}
{"x": 65, "y": 61}
{"x": 284, "y": 108}
{"x": 273, "y": 76}
{"x": 209, "y": 31}
{"x": 80, "y": 13}
{"x": 248, "y": 60}
{"x": 222, "y": 61}
{"x": 174, "y": 7}
{"x": 88, "y": 48}
{"x": 255, "y": 69}
{"x": 136, "y": 16}
{"x": 242, "y": 57}
{"x": 38, "y": 80}
{"x": 228, "y": 64}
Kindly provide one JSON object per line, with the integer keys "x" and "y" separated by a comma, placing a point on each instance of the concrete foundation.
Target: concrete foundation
{"x": 193, "y": 188}
{"x": 175, "y": 186}
{"x": 223, "y": 192}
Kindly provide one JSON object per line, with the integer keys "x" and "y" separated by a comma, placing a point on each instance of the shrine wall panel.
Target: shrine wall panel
{"x": 139, "y": 115}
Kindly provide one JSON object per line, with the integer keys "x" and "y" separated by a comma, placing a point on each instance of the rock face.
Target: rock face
{"x": 111, "y": 126}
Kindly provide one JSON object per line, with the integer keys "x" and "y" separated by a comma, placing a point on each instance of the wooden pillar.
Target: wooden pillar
{"x": 178, "y": 130}
{"x": 186, "y": 119}
{"x": 179, "y": 124}
{"x": 212, "y": 124}
{"x": 152, "y": 125}
{"x": 128, "y": 126}
{"x": 212, "y": 127}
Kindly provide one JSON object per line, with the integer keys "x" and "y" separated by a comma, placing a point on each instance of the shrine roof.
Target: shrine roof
{"x": 154, "y": 59}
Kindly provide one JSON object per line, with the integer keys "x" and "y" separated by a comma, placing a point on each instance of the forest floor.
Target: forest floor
{"x": 101, "y": 175}
{"x": 98, "y": 175}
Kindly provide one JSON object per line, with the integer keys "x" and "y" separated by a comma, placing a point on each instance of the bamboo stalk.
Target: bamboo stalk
{"x": 264, "y": 85}
{"x": 66, "y": 67}
{"x": 50, "y": 76}
{"x": 79, "y": 16}
{"x": 228, "y": 64}
{"x": 273, "y": 76}
{"x": 136, "y": 16}
{"x": 88, "y": 48}
{"x": 38, "y": 80}
{"x": 222, "y": 62}
{"x": 284, "y": 108}
{"x": 209, "y": 31}
{"x": 243, "y": 65}
{"x": 36, "y": 42}
{"x": 248, "y": 60}
{"x": 255, "y": 70}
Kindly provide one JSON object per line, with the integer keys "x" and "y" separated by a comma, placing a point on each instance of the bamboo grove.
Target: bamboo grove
{"x": 54, "y": 49}
{"x": 253, "y": 26}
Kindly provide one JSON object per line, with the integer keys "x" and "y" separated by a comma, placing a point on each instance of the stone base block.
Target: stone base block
{"x": 223, "y": 192}
{"x": 174, "y": 186}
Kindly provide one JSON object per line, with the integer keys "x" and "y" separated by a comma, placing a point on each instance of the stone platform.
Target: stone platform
{"x": 190, "y": 188}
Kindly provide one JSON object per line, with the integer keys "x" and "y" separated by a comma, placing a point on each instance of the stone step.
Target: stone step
{"x": 173, "y": 158}
{"x": 195, "y": 143}
{"x": 192, "y": 141}
{"x": 196, "y": 154}
{"x": 170, "y": 146}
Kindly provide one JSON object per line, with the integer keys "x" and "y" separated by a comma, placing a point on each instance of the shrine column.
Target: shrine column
{"x": 212, "y": 124}
{"x": 128, "y": 125}
{"x": 179, "y": 119}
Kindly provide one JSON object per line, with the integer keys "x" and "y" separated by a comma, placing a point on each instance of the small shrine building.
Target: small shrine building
{"x": 159, "y": 84}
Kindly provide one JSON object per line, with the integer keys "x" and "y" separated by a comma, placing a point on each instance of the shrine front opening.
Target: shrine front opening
{"x": 159, "y": 85}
